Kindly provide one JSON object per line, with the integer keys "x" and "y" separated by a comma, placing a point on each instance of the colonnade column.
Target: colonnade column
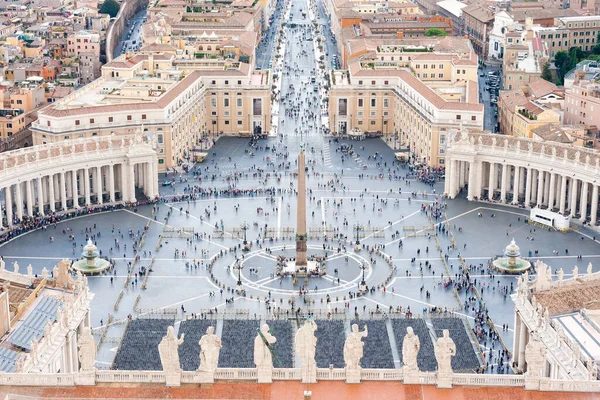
{"x": 63, "y": 191}
{"x": 522, "y": 345}
{"x": 51, "y": 195}
{"x": 9, "y": 210}
{"x": 131, "y": 182}
{"x": 86, "y": 183}
{"x": 19, "y": 200}
{"x": 563, "y": 195}
{"x": 29, "y": 194}
{"x": 98, "y": 183}
{"x": 583, "y": 201}
{"x": 540, "y": 188}
{"x": 552, "y": 191}
{"x": 40, "y": 195}
{"x": 74, "y": 189}
{"x": 503, "y": 182}
{"x": 124, "y": 184}
{"x": 594, "y": 205}
{"x": 111, "y": 183}
{"x": 491, "y": 183}
{"x": 516, "y": 185}
{"x": 472, "y": 183}
{"x": 528, "y": 184}
{"x": 573, "y": 201}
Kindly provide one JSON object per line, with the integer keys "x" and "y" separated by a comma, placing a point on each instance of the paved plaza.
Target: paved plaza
{"x": 192, "y": 240}
{"x": 364, "y": 196}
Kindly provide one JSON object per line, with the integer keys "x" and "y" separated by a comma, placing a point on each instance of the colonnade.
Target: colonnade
{"x": 36, "y": 181}
{"x": 510, "y": 175}
{"x": 76, "y": 188}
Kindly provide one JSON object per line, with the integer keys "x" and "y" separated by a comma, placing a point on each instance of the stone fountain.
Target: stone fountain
{"x": 511, "y": 263}
{"x": 90, "y": 263}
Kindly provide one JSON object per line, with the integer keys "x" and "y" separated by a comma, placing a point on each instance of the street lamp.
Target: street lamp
{"x": 358, "y": 227}
{"x": 238, "y": 288}
{"x": 245, "y": 227}
{"x": 362, "y": 287}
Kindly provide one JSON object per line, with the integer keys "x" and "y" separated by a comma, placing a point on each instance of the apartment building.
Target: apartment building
{"x": 478, "y": 22}
{"x": 582, "y": 103}
{"x": 396, "y": 104}
{"x": 530, "y": 116}
{"x": 148, "y": 92}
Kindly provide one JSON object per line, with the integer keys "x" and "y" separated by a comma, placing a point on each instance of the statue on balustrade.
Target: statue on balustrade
{"x": 306, "y": 344}
{"x": 535, "y": 356}
{"x": 444, "y": 350}
{"x": 210, "y": 344}
{"x": 353, "y": 348}
{"x": 410, "y": 350}
{"x": 263, "y": 359}
{"x": 168, "y": 351}
{"x": 87, "y": 350}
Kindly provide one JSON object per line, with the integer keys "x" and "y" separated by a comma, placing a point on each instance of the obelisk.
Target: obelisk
{"x": 301, "y": 216}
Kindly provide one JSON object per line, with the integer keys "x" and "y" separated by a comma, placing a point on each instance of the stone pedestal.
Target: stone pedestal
{"x": 353, "y": 375}
{"x": 444, "y": 381}
{"x": 173, "y": 379}
{"x": 86, "y": 378}
{"x": 411, "y": 376}
{"x": 206, "y": 377}
{"x": 265, "y": 375}
{"x": 309, "y": 375}
{"x": 532, "y": 383}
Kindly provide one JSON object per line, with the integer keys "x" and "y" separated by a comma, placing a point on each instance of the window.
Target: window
{"x": 239, "y": 122}
{"x": 372, "y": 82}
{"x": 256, "y": 107}
{"x": 226, "y": 82}
{"x": 225, "y": 102}
{"x": 48, "y": 123}
{"x": 76, "y": 122}
{"x": 440, "y": 75}
{"x": 239, "y": 102}
{"x": 110, "y": 119}
{"x": 160, "y": 139}
{"x": 129, "y": 118}
{"x": 361, "y": 103}
{"x": 373, "y": 102}
{"x": 143, "y": 116}
{"x": 441, "y": 66}
{"x": 360, "y": 82}
{"x": 213, "y": 82}
{"x": 386, "y": 103}
{"x": 213, "y": 102}
{"x": 91, "y": 120}
{"x": 239, "y": 82}
{"x": 386, "y": 82}
{"x": 458, "y": 116}
{"x": 473, "y": 118}
{"x": 360, "y": 122}
{"x": 372, "y": 122}
{"x": 373, "y": 113}
{"x": 425, "y": 76}
{"x": 226, "y": 122}
{"x": 343, "y": 107}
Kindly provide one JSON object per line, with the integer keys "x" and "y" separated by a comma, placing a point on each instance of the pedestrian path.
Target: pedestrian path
{"x": 327, "y": 154}
{"x": 361, "y": 162}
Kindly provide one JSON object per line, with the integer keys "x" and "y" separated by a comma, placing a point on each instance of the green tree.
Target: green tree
{"x": 110, "y": 7}
{"x": 546, "y": 74}
{"x": 435, "y": 32}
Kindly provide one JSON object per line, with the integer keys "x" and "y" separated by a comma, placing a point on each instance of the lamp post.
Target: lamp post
{"x": 245, "y": 227}
{"x": 362, "y": 287}
{"x": 238, "y": 288}
{"x": 358, "y": 227}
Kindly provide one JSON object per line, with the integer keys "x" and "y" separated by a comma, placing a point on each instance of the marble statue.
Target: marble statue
{"x": 353, "y": 348}
{"x": 535, "y": 356}
{"x": 534, "y": 302}
{"x": 209, "y": 350}
{"x": 87, "y": 349}
{"x": 576, "y": 272}
{"x": 546, "y": 317}
{"x": 592, "y": 370}
{"x": 34, "y": 350}
{"x": 16, "y": 267}
{"x": 20, "y": 364}
{"x": 29, "y": 271}
{"x": 45, "y": 273}
{"x": 444, "y": 350}
{"x": 263, "y": 359}
{"x": 168, "y": 351}
{"x": 561, "y": 275}
{"x": 590, "y": 271}
{"x": 306, "y": 344}
{"x": 410, "y": 350}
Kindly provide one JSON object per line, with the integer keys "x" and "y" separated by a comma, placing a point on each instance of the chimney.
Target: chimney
{"x": 579, "y": 76}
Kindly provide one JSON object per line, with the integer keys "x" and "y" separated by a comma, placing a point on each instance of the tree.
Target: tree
{"x": 435, "y": 32}
{"x": 546, "y": 74}
{"x": 110, "y": 7}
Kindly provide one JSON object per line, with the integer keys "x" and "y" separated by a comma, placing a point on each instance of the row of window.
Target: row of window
{"x": 425, "y": 75}
{"x": 110, "y": 119}
{"x": 386, "y": 103}
{"x": 418, "y": 66}
{"x": 226, "y": 82}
